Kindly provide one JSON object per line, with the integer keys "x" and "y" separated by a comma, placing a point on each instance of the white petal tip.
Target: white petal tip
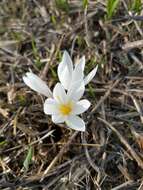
{"x": 90, "y": 76}
{"x": 65, "y": 70}
{"x": 36, "y": 84}
{"x": 76, "y": 123}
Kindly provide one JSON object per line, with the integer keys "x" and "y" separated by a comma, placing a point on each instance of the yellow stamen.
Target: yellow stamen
{"x": 65, "y": 109}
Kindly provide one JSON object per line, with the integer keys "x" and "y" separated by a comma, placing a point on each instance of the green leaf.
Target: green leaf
{"x": 54, "y": 74}
{"x": 111, "y": 7}
{"x": 36, "y": 54}
{"x": 2, "y": 143}
{"x": 91, "y": 91}
{"x": 136, "y": 6}
{"x": 53, "y": 19}
{"x": 34, "y": 48}
{"x": 28, "y": 158}
{"x": 85, "y": 3}
{"x": 63, "y": 5}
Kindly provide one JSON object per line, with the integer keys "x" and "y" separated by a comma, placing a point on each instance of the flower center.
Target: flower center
{"x": 65, "y": 109}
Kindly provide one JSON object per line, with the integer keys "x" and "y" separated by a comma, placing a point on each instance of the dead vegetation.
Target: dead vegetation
{"x": 35, "y": 153}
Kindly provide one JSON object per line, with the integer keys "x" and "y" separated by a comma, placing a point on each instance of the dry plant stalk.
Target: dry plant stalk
{"x": 59, "y": 155}
{"x": 102, "y": 99}
{"x": 124, "y": 141}
{"x": 131, "y": 45}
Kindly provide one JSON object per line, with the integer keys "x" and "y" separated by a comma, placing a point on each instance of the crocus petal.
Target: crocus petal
{"x": 75, "y": 123}
{"x": 76, "y": 90}
{"x": 51, "y": 107}
{"x": 77, "y": 73}
{"x": 81, "y": 106}
{"x": 65, "y": 70}
{"x": 82, "y": 62}
{"x": 35, "y": 83}
{"x": 59, "y": 93}
{"x": 58, "y": 119}
{"x": 90, "y": 76}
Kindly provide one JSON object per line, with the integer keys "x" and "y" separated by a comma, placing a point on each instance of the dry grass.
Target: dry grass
{"x": 108, "y": 156}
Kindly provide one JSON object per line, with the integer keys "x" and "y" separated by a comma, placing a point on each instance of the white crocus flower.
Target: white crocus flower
{"x": 68, "y": 74}
{"x": 63, "y": 106}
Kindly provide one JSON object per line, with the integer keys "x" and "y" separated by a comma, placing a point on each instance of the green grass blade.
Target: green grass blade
{"x": 136, "y": 6}
{"x": 28, "y": 158}
{"x": 111, "y": 7}
{"x": 85, "y": 3}
{"x": 62, "y": 5}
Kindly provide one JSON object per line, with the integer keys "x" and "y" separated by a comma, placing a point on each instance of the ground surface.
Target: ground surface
{"x": 35, "y": 153}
